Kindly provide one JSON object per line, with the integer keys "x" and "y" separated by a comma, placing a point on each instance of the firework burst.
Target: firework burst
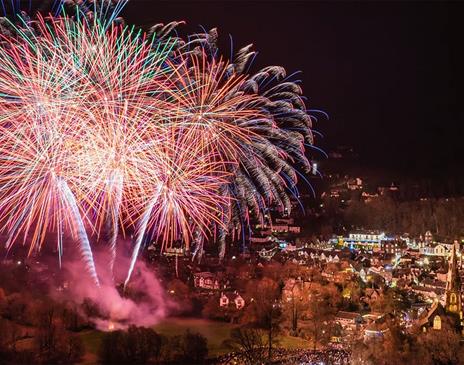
{"x": 105, "y": 129}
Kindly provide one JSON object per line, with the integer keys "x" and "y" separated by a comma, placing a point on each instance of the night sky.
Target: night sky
{"x": 388, "y": 74}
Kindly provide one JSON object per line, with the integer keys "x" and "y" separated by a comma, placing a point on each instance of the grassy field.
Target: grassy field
{"x": 215, "y": 332}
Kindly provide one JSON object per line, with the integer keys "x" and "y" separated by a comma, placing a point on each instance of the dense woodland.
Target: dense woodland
{"x": 444, "y": 217}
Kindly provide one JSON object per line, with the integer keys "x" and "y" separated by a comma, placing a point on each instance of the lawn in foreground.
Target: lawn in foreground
{"x": 216, "y": 333}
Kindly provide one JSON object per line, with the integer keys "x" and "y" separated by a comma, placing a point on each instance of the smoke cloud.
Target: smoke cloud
{"x": 143, "y": 304}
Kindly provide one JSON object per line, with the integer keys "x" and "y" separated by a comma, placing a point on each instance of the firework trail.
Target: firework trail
{"x": 199, "y": 242}
{"x": 222, "y": 243}
{"x": 116, "y": 186}
{"x": 86, "y": 250}
{"x": 140, "y": 234}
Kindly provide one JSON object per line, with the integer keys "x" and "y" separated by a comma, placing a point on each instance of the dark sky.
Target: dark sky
{"x": 388, "y": 74}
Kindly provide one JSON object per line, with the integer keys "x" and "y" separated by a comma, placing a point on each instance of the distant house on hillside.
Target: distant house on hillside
{"x": 435, "y": 250}
{"x": 394, "y": 247}
{"x": 376, "y": 329}
{"x": 206, "y": 280}
{"x": 234, "y": 298}
{"x": 349, "y": 320}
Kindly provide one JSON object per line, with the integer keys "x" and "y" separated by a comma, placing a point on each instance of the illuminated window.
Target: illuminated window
{"x": 453, "y": 298}
{"x": 437, "y": 323}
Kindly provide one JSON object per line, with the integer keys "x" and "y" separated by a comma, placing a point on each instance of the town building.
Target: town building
{"x": 435, "y": 249}
{"x": 349, "y": 320}
{"x": 354, "y": 184}
{"x": 233, "y": 298}
{"x": 376, "y": 329}
{"x": 366, "y": 240}
{"x": 393, "y": 247}
{"x": 206, "y": 280}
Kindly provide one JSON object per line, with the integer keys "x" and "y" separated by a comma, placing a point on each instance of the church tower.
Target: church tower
{"x": 453, "y": 300}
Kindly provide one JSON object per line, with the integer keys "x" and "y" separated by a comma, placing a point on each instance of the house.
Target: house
{"x": 260, "y": 239}
{"x": 349, "y": 320}
{"x": 354, "y": 184}
{"x": 334, "y": 194}
{"x": 384, "y": 190}
{"x": 442, "y": 275}
{"x": 433, "y": 294}
{"x": 294, "y": 229}
{"x": 436, "y": 284}
{"x": 279, "y": 228}
{"x": 435, "y": 250}
{"x": 267, "y": 254}
{"x": 303, "y": 253}
{"x": 394, "y": 247}
{"x": 205, "y": 280}
{"x": 432, "y": 318}
{"x": 288, "y": 221}
{"x": 408, "y": 274}
{"x": 363, "y": 275}
{"x": 289, "y": 248}
{"x": 406, "y": 259}
{"x": 234, "y": 298}
{"x": 376, "y": 329}
{"x": 368, "y": 197}
{"x": 334, "y": 259}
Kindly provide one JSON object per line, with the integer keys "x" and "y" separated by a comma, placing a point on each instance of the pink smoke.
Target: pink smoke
{"x": 118, "y": 311}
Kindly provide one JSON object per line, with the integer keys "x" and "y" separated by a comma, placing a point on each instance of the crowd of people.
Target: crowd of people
{"x": 325, "y": 357}
{"x": 292, "y": 357}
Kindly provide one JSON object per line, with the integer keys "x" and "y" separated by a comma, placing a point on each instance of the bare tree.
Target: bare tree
{"x": 249, "y": 344}
{"x": 264, "y": 309}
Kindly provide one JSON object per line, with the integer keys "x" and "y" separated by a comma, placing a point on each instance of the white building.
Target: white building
{"x": 365, "y": 240}
{"x": 438, "y": 249}
{"x": 348, "y": 320}
{"x": 231, "y": 298}
{"x": 260, "y": 239}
